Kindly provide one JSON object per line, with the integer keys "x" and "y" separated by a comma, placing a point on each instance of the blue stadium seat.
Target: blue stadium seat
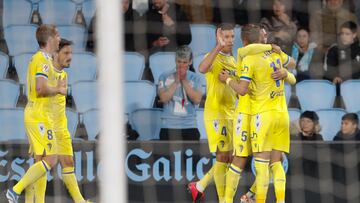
{"x": 287, "y": 92}
{"x": 350, "y": 93}
{"x": 315, "y": 94}
{"x": 12, "y": 124}
{"x": 139, "y": 94}
{"x": 4, "y": 65}
{"x": 75, "y": 33}
{"x": 294, "y": 114}
{"x": 16, "y": 12}
{"x": 21, "y": 63}
{"x": 82, "y": 67}
{"x": 85, "y": 95}
{"x": 72, "y": 121}
{"x": 91, "y": 122}
{"x": 200, "y": 123}
{"x": 147, "y": 122}
{"x": 237, "y": 40}
{"x": 59, "y": 12}
{"x": 196, "y": 62}
{"x": 9, "y": 93}
{"x": 160, "y": 63}
{"x": 88, "y": 9}
{"x": 203, "y": 38}
{"x": 330, "y": 122}
{"x": 21, "y": 39}
{"x": 134, "y": 65}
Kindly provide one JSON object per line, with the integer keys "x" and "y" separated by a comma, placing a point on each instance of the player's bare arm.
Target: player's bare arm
{"x": 241, "y": 87}
{"x": 206, "y": 63}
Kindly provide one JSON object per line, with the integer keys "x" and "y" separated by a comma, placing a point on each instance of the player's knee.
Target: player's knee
{"x": 66, "y": 161}
{"x": 223, "y": 157}
{"x": 51, "y": 160}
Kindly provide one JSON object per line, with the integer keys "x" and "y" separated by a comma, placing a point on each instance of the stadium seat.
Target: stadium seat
{"x": 72, "y": 121}
{"x": 160, "y": 63}
{"x": 21, "y": 63}
{"x": 196, "y": 62}
{"x": 350, "y": 93}
{"x": 75, "y": 33}
{"x": 16, "y": 12}
{"x": 315, "y": 94}
{"x": 330, "y": 122}
{"x": 287, "y": 92}
{"x": 146, "y": 122}
{"x": 12, "y": 124}
{"x": 237, "y": 40}
{"x": 200, "y": 123}
{"x": 294, "y": 114}
{"x": 82, "y": 67}
{"x": 88, "y": 9}
{"x": 9, "y": 93}
{"x": 203, "y": 38}
{"x": 58, "y": 12}
{"x": 91, "y": 122}
{"x": 134, "y": 65}
{"x": 4, "y": 65}
{"x": 139, "y": 94}
{"x": 21, "y": 39}
{"x": 85, "y": 95}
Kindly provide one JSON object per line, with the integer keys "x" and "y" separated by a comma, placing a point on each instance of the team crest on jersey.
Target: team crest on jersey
{"x": 41, "y": 128}
{"x": 45, "y": 68}
{"x": 216, "y": 125}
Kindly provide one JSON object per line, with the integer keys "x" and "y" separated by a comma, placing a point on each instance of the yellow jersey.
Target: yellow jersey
{"x": 265, "y": 93}
{"x": 40, "y": 66}
{"x": 58, "y": 103}
{"x": 243, "y": 105}
{"x": 220, "y": 99}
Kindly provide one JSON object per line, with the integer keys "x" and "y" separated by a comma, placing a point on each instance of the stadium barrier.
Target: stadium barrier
{"x": 158, "y": 171}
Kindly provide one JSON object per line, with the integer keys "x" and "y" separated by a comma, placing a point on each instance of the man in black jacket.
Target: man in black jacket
{"x": 167, "y": 26}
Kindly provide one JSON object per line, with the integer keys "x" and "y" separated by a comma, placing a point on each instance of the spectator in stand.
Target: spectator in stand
{"x": 167, "y": 26}
{"x": 280, "y": 26}
{"x": 131, "y": 17}
{"x": 231, "y": 11}
{"x": 309, "y": 127}
{"x": 180, "y": 92}
{"x": 325, "y": 23}
{"x": 307, "y": 57}
{"x": 343, "y": 58}
{"x": 349, "y": 128}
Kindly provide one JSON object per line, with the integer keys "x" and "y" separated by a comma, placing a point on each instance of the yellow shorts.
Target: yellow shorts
{"x": 64, "y": 143}
{"x": 42, "y": 139}
{"x": 270, "y": 130}
{"x": 219, "y": 133}
{"x": 241, "y": 135}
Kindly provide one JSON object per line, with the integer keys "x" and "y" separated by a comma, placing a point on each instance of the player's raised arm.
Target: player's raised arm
{"x": 206, "y": 63}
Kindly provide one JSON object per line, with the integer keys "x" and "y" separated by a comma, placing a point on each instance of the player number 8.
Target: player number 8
{"x": 49, "y": 134}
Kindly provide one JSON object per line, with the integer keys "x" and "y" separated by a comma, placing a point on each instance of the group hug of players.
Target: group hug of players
{"x": 245, "y": 113}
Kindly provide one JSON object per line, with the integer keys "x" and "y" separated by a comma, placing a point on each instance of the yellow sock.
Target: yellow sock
{"x": 262, "y": 179}
{"x": 71, "y": 183}
{"x": 31, "y": 175}
{"x": 279, "y": 181}
{"x": 206, "y": 180}
{"x": 29, "y": 194}
{"x": 232, "y": 180}
{"x": 253, "y": 188}
{"x": 220, "y": 170}
{"x": 40, "y": 189}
